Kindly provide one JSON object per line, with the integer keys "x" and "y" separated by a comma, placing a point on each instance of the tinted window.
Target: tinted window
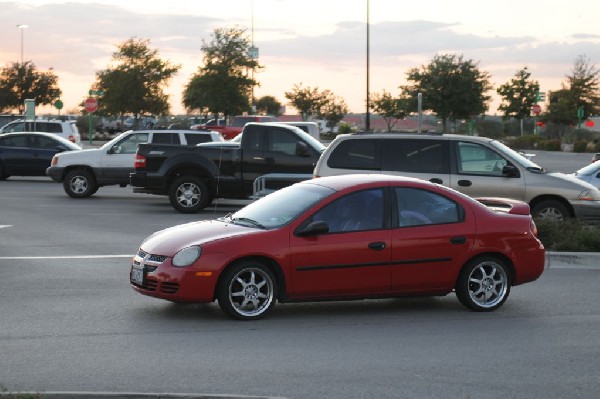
{"x": 280, "y": 140}
{"x": 414, "y": 155}
{"x": 166, "y": 138}
{"x": 354, "y": 212}
{"x": 14, "y": 127}
{"x": 193, "y": 139}
{"x": 356, "y": 154}
{"x": 48, "y": 127}
{"x": 475, "y": 159}
{"x": 418, "y": 207}
{"x": 129, "y": 144}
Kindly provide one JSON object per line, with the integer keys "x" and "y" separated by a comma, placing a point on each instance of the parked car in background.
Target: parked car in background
{"x": 475, "y": 166}
{"x": 83, "y": 173}
{"x": 590, "y": 174}
{"x": 30, "y": 153}
{"x": 345, "y": 237}
{"x": 238, "y": 123}
{"x": 311, "y": 128}
{"x": 595, "y": 157}
{"x": 66, "y": 129}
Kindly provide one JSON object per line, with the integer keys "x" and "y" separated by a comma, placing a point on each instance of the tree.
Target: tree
{"x": 136, "y": 84}
{"x": 391, "y": 109}
{"x": 518, "y": 96}
{"x": 19, "y": 82}
{"x": 306, "y": 100}
{"x": 268, "y": 105}
{"x": 452, "y": 88}
{"x": 580, "y": 90}
{"x": 223, "y": 85}
{"x": 333, "y": 109}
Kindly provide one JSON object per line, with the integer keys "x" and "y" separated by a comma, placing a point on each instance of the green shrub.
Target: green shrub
{"x": 580, "y": 146}
{"x": 571, "y": 235}
{"x": 528, "y": 142}
{"x": 552, "y": 145}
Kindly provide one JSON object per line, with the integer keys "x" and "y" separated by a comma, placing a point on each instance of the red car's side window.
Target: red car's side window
{"x": 358, "y": 211}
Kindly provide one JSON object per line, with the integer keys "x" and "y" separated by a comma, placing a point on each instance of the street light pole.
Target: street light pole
{"x": 21, "y": 28}
{"x": 368, "y": 115}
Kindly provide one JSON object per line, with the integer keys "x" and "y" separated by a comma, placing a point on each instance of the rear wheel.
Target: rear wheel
{"x": 247, "y": 291}
{"x": 80, "y": 184}
{"x": 483, "y": 284}
{"x": 189, "y": 194}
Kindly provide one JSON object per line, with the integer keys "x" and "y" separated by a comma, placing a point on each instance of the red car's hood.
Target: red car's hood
{"x": 169, "y": 241}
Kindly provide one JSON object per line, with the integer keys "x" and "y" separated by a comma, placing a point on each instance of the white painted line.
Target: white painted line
{"x": 64, "y": 257}
{"x": 3, "y": 226}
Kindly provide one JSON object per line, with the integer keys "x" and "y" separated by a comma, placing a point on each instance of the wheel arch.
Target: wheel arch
{"x": 270, "y": 263}
{"x": 507, "y": 261}
{"x": 85, "y": 168}
{"x": 549, "y": 197}
{"x": 190, "y": 170}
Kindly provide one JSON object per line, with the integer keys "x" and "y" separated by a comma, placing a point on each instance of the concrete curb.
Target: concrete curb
{"x": 572, "y": 260}
{"x": 125, "y": 395}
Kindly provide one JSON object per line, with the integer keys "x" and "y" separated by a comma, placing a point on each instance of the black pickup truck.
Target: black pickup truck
{"x": 193, "y": 176}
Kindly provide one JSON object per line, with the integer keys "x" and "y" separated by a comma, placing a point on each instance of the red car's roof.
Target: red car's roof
{"x": 344, "y": 181}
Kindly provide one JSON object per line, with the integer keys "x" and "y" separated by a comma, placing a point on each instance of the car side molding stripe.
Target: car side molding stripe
{"x": 378, "y": 264}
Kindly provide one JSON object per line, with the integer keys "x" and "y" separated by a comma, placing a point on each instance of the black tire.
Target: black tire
{"x": 246, "y": 291}
{"x": 80, "y": 184}
{"x": 189, "y": 194}
{"x": 550, "y": 210}
{"x": 483, "y": 284}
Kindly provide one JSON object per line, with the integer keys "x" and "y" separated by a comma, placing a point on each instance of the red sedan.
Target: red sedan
{"x": 345, "y": 237}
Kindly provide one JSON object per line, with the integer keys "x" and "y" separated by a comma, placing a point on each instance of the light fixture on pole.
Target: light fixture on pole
{"x": 21, "y": 28}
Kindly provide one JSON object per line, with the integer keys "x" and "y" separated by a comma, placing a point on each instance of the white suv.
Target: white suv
{"x": 66, "y": 129}
{"x": 83, "y": 173}
{"x": 476, "y": 166}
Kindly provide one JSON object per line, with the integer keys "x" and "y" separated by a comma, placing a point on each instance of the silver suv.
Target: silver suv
{"x": 476, "y": 166}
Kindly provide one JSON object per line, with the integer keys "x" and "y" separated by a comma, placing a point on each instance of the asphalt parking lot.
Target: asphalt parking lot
{"x": 72, "y": 323}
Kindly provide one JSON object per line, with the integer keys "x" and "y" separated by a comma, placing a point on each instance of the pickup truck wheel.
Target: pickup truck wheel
{"x": 80, "y": 184}
{"x": 189, "y": 194}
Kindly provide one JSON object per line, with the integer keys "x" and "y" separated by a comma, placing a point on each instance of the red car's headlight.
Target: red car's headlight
{"x": 186, "y": 256}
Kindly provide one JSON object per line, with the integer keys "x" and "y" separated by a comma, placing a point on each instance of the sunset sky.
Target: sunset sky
{"x": 317, "y": 43}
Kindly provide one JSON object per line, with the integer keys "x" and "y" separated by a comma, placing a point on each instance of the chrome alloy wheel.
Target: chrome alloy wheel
{"x": 188, "y": 195}
{"x": 78, "y": 184}
{"x": 488, "y": 284}
{"x": 251, "y": 292}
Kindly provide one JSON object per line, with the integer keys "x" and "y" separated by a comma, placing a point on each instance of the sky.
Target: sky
{"x": 317, "y": 43}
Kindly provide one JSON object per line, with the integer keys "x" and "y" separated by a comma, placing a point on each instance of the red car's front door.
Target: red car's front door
{"x": 353, "y": 258}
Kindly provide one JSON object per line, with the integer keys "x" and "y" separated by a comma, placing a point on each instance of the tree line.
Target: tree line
{"x": 453, "y": 88}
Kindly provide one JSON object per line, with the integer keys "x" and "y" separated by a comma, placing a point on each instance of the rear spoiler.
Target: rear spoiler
{"x": 507, "y": 205}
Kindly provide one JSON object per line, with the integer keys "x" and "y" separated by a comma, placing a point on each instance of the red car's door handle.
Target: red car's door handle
{"x": 458, "y": 240}
{"x": 377, "y": 246}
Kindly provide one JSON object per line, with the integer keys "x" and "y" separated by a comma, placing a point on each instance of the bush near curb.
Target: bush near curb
{"x": 571, "y": 235}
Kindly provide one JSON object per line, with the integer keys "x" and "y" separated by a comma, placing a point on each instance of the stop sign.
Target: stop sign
{"x": 91, "y": 104}
{"x": 536, "y": 109}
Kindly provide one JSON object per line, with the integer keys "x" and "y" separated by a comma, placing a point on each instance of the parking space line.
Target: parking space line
{"x": 64, "y": 257}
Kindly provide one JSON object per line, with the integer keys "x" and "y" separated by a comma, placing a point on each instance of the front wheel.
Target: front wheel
{"x": 247, "y": 291}
{"x": 483, "y": 284}
{"x": 80, "y": 184}
{"x": 550, "y": 210}
{"x": 189, "y": 194}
